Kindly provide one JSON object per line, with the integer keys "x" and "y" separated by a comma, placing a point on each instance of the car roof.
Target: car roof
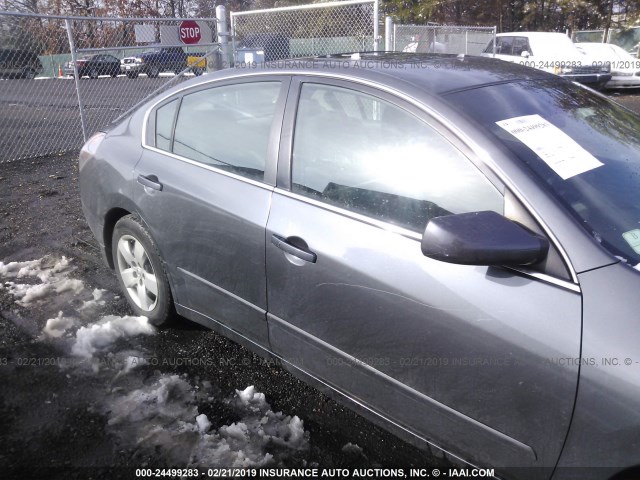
{"x": 530, "y": 34}
{"x": 435, "y": 74}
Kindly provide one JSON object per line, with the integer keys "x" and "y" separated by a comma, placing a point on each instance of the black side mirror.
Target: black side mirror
{"x": 482, "y": 238}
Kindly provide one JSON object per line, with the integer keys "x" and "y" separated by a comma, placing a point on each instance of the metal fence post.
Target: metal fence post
{"x": 376, "y": 19}
{"x": 494, "y": 42}
{"x": 388, "y": 27}
{"x": 223, "y": 34}
{"x": 72, "y": 46}
{"x": 394, "y": 36}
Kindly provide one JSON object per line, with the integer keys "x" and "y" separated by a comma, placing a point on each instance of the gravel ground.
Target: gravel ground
{"x": 55, "y": 417}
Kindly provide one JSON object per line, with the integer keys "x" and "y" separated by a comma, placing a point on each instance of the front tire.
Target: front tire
{"x": 153, "y": 72}
{"x": 93, "y": 74}
{"x": 140, "y": 271}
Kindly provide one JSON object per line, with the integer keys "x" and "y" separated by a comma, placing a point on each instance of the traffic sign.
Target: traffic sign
{"x": 190, "y": 32}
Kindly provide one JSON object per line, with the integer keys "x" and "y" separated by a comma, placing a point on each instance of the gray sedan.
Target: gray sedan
{"x": 449, "y": 245}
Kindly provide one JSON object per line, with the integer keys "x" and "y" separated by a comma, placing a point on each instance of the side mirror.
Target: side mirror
{"x": 482, "y": 238}
{"x": 525, "y": 54}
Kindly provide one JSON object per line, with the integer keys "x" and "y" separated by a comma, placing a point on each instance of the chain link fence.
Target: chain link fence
{"x": 441, "y": 39}
{"x": 63, "y": 78}
{"x": 308, "y": 30}
{"x": 81, "y": 79}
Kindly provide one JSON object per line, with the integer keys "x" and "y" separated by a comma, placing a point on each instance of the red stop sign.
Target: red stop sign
{"x": 190, "y": 32}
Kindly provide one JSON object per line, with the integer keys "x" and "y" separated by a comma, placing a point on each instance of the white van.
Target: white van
{"x": 551, "y": 52}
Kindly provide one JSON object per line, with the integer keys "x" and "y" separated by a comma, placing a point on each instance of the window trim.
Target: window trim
{"x": 149, "y": 125}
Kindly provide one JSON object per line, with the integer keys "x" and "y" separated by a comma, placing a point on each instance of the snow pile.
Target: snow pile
{"x": 95, "y": 302}
{"x": 58, "y": 326}
{"x": 101, "y": 335}
{"x": 352, "y": 448}
{"x": 53, "y": 278}
{"x": 52, "y": 273}
{"x": 164, "y": 415}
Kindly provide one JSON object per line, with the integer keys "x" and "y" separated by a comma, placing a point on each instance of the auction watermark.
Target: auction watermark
{"x": 315, "y": 472}
{"x": 353, "y": 64}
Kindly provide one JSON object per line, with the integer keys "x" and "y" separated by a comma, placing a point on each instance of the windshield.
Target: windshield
{"x": 584, "y": 148}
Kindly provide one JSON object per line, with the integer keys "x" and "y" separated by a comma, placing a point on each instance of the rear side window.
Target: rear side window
{"x": 361, "y": 153}
{"x": 520, "y": 45}
{"x": 228, "y": 127}
{"x": 504, "y": 45}
{"x": 165, "y": 116}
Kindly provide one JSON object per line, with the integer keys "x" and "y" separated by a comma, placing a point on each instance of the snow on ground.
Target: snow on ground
{"x": 163, "y": 415}
{"x": 151, "y": 414}
{"x": 53, "y": 275}
{"x": 54, "y": 279}
{"x": 101, "y": 335}
{"x": 351, "y": 448}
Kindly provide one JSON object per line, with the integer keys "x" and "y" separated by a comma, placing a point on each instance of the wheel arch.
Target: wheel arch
{"x": 111, "y": 218}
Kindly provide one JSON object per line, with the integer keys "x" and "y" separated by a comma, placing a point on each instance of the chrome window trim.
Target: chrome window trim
{"x": 389, "y": 227}
{"x": 410, "y": 234}
{"x": 543, "y": 277}
{"x": 486, "y": 159}
{"x": 212, "y": 168}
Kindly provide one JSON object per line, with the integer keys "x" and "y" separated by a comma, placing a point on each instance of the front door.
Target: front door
{"x": 460, "y": 355}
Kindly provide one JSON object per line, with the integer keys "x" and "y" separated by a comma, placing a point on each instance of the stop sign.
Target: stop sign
{"x": 190, "y": 32}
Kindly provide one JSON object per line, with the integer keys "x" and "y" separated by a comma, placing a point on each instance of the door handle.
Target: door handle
{"x": 287, "y": 247}
{"x": 150, "y": 181}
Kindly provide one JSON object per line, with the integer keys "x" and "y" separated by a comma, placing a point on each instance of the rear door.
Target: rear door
{"x": 204, "y": 188}
{"x": 464, "y": 356}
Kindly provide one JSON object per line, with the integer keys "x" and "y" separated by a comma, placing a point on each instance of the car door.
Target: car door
{"x": 463, "y": 356}
{"x": 205, "y": 181}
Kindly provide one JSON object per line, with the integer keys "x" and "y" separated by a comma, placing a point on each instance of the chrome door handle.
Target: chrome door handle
{"x": 150, "y": 181}
{"x": 285, "y": 246}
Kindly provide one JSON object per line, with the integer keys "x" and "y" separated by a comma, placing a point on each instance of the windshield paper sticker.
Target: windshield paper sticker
{"x": 633, "y": 239}
{"x": 557, "y": 149}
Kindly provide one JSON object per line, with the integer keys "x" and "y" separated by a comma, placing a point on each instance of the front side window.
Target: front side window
{"x": 226, "y": 127}
{"x": 364, "y": 154}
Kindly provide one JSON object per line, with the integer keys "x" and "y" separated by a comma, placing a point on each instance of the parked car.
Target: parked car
{"x": 154, "y": 61}
{"x": 551, "y": 52}
{"x": 19, "y": 64}
{"x": 452, "y": 254}
{"x": 625, "y": 68}
{"x": 93, "y": 66}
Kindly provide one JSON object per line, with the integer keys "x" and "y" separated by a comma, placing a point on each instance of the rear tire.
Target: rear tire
{"x": 29, "y": 74}
{"x": 153, "y": 72}
{"x": 140, "y": 271}
{"x": 93, "y": 74}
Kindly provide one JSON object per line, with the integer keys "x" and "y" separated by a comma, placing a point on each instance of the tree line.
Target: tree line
{"x": 507, "y": 15}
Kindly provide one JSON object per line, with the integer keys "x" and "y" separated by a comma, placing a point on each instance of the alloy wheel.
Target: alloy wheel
{"x": 137, "y": 273}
